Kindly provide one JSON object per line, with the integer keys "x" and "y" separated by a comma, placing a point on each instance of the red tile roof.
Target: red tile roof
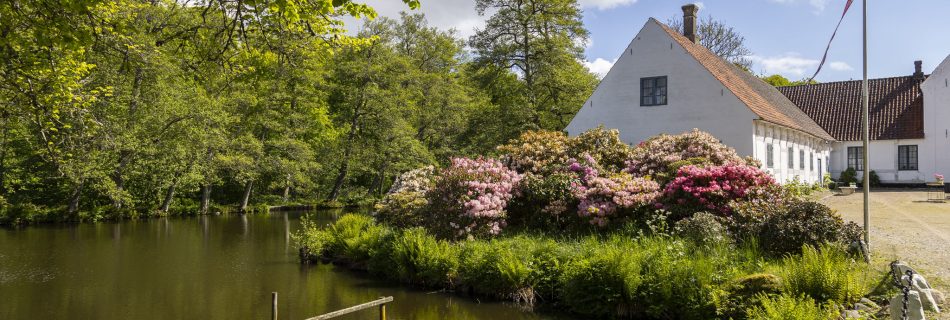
{"x": 763, "y": 99}
{"x": 896, "y": 107}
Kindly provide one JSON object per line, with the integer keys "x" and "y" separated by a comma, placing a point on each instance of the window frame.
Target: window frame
{"x": 811, "y": 161}
{"x": 791, "y": 158}
{"x": 653, "y": 94}
{"x": 769, "y": 155}
{"x": 903, "y": 158}
{"x": 801, "y": 159}
{"x": 858, "y": 157}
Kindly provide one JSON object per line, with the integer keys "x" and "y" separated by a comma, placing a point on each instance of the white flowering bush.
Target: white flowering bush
{"x": 469, "y": 197}
{"x": 405, "y": 203}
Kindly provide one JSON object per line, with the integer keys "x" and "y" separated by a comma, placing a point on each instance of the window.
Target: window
{"x": 791, "y": 158}
{"x": 801, "y": 159}
{"x": 907, "y": 158}
{"x": 819, "y": 166}
{"x": 856, "y": 158}
{"x": 653, "y": 91}
{"x": 769, "y": 156}
{"x": 811, "y": 161}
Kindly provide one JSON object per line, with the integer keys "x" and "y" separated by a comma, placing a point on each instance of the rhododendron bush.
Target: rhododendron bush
{"x": 712, "y": 188}
{"x": 469, "y": 198}
{"x": 405, "y": 203}
{"x": 540, "y": 152}
{"x": 661, "y": 156}
{"x": 609, "y": 196}
{"x": 605, "y": 146}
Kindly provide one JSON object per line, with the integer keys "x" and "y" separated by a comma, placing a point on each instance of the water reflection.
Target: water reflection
{"x": 210, "y": 267}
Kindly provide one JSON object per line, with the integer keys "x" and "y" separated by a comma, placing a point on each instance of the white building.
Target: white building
{"x": 664, "y": 82}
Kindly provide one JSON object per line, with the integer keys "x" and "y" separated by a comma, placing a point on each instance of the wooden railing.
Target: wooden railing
{"x": 381, "y": 303}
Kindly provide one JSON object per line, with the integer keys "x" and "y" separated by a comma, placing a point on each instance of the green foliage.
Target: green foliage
{"x": 798, "y": 188}
{"x": 848, "y": 176}
{"x": 746, "y": 292}
{"x": 702, "y": 228}
{"x": 788, "y": 307}
{"x": 804, "y": 223}
{"x": 605, "y": 146}
{"x": 825, "y": 274}
{"x": 874, "y": 179}
{"x": 777, "y": 80}
{"x": 596, "y": 276}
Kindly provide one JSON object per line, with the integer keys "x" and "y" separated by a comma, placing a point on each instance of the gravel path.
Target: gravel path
{"x": 904, "y": 226}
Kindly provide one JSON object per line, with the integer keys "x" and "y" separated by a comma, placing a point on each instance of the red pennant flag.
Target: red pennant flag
{"x": 825, "y": 56}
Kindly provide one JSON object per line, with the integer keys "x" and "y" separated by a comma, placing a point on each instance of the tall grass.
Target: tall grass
{"x": 613, "y": 275}
{"x": 787, "y": 307}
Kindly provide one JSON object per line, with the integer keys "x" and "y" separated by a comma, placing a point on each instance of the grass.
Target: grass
{"x": 611, "y": 275}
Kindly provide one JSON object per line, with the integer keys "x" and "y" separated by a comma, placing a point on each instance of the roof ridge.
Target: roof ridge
{"x": 848, "y": 81}
{"x": 761, "y": 98}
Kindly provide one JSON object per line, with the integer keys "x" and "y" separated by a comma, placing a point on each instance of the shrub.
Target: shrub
{"x": 745, "y": 292}
{"x": 711, "y": 188}
{"x": 848, "y": 176}
{"x": 804, "y": 223}
{"x": 354, "y": 237}
{"x": 602, "y": 198}
{"x": 603, "y": 283}
{"x": 702, "y": 228}
{"x": 798, "y": 188}
{"x": 546, "y": 201}
{"x": 874, "y": 179}
{"x": 791, "y": 308}
{"x": 420, "y": 258}
{"x": 824, "y": 274}
{"x": 541, "y": 152}
{"x": 749, "y": 213}
{"x": 605, "y": 146}
{"x": 656, "y": 156}
{"x": 405, "y": 202}
{"x": 469, "y": 198}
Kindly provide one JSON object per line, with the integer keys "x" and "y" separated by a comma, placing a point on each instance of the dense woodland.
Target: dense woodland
{"x": 124, "y": 107}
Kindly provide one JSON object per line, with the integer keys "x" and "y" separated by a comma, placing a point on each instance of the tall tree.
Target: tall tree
{"x": 541, "y": 42}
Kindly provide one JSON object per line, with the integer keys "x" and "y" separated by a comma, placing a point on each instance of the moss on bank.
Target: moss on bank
{"x": 609, "y": 275}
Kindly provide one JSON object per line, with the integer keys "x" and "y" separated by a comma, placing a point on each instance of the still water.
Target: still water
{"x": 210, "y": 267}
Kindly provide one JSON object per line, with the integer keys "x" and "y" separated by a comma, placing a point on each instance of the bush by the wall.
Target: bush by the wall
{"x": 848, "y": 176}
{"x": 711, "y": 188}
{"x": 804, "y": 223}
{"x": 604, "y": 145}
{"x": 656, "y": 156}
{"x": 538, "y": 152}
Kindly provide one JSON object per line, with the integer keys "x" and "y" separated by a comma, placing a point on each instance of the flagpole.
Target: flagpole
{"x": 866, "y": 123}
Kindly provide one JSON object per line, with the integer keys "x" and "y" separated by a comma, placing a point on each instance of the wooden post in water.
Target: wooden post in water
{"x": 273, "y": 308}
{"x": 382, "y": 312}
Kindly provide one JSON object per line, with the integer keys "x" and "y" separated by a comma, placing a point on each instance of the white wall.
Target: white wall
{"x": 935, "y": 158}
{"x": 883, "y": 160}
{"x": 781, "y": 138}
{"x": 696, "y": 99}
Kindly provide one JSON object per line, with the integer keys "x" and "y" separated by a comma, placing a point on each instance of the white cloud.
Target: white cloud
{"x": 605, "y": 4}
{"x": 789, "y": 64}
{"x": 700, "y": 5}
{"x": 443, "y": 14}
{"x": 599, "y": 66}
{"x": 840, "y": 66}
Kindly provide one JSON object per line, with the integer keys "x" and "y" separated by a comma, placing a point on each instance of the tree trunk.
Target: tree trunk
{"x": 205, "y": 198}
{"x": 247, "y": 195}
{"x": 74, "y": 199}
{"x": 169, "y": 195}
{"x": 287, "y": 188}
{"x": 344, "y": 166}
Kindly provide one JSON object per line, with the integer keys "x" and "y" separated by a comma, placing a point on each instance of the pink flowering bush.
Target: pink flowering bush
{"x": 469, "y": 198}
{"x": 711, "y": 188}
{"x": 661, "y": 156}
{"x": 611, "y": 196}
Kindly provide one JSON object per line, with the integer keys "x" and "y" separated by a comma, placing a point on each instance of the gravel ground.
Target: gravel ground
{"x": 905, "y": 226}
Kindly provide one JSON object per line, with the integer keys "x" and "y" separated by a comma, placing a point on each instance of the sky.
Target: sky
{"x": 786, "y": 37}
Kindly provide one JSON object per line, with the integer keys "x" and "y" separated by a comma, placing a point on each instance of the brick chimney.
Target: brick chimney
{"x": 918, "y": 70}
{"x": 689, "y": 21}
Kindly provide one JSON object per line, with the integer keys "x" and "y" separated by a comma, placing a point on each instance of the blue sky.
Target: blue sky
{"x": 786, "y": 36}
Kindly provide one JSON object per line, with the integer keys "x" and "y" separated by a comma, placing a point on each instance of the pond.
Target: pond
{"x": 209, "y": 267}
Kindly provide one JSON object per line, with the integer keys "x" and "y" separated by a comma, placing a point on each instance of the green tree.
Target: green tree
{"x": 541, "y": 42}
